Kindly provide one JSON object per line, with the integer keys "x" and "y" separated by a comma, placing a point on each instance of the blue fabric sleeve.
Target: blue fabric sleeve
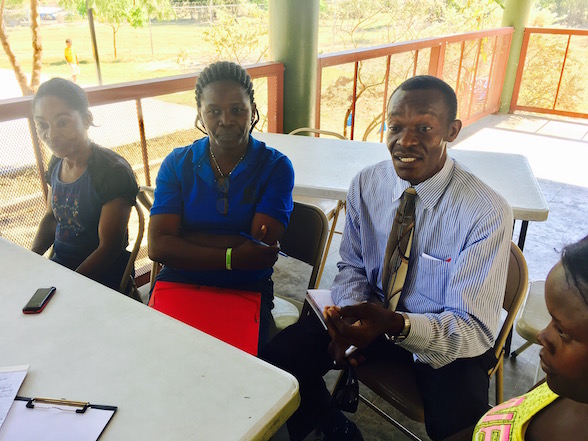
{"x": 276, "y": 200}
{"x": 168, "y": 195}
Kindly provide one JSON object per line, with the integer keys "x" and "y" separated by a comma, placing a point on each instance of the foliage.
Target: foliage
{"x": 117, "y": 13}
{"x": 26, "y": 87}
{"x": 235, "y": 40}
{"x": 13, "y": 3}
{"x": 573, "y": 13}
{"x": 543, "y": 67}
{"x": 211, "y": 2}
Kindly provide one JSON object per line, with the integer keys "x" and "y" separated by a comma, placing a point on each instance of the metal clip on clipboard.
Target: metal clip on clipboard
{"x": 32, "y": 419}
{"x": 82, "y": 405}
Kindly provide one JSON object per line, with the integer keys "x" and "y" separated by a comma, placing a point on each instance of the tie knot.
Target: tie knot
{"x": 409, "y": 192}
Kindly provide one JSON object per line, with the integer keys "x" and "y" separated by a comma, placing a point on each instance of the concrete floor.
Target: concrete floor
{"x": 557, "y": 151}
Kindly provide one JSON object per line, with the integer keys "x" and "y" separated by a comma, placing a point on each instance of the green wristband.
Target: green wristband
{"x": 228, "y": 256}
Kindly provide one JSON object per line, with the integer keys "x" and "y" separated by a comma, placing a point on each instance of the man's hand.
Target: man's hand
{"x": 371, "y": 321}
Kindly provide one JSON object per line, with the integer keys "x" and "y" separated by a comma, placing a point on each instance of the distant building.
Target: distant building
{"x": 51, "y": 13}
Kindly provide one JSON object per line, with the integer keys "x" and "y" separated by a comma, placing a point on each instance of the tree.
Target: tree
{"x": 574, "y": 13}
{"x": 117, "y": 13}
{"x": 241, "y": 39}
{"x": 26, "y": 87}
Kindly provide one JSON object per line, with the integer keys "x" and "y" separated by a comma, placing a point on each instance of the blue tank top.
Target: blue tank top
{"x": 76, "y": 207}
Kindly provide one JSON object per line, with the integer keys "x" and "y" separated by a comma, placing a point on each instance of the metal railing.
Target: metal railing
{"x": 551, "y": 75}
{"x": 473, "y": 63}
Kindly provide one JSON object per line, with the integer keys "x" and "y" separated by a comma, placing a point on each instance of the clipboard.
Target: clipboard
{"x": 48, "y": 419}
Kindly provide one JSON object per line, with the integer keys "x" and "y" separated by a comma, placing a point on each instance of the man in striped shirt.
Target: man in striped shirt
{"x": 449, "y": 310}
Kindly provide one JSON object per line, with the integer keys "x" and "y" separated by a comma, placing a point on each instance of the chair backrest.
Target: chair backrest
{"x": 145, "y": 196}
{"x": 137, "y": 245}
{"x": 319, "y": 131}
{"x": 306, "y": 235}
{"x": 517, "y": 283}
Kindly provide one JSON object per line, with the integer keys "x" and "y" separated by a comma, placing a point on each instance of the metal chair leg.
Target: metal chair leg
{"x": 388, "y": 418}
{"x": 520, "y": 349}
{"x": 340, "y": 205}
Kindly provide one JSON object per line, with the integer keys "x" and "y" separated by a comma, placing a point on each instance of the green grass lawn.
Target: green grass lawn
{"x": 134, "y": 58}
{"x": 178, "y": 47}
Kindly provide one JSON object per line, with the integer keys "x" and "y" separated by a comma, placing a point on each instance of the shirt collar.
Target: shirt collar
{"x": 430, "y": 191}
{"x": 200, "y": 153}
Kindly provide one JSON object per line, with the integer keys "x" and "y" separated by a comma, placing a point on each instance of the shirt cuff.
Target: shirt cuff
{"x": 420, "y": 333}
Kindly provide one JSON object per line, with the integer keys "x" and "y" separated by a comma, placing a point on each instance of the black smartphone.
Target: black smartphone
{"x": 39, "y": 300}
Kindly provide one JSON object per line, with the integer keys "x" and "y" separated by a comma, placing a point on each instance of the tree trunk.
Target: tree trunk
{"x": 16, "y": 67}
{"x": 37, "y": 47}
{"x": 114, "y": 40}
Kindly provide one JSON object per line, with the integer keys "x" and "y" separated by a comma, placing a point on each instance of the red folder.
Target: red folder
{"x": 230, "y": 315}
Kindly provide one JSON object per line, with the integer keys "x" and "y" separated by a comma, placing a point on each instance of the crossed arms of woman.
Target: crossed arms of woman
{"x": 169, "y": 245}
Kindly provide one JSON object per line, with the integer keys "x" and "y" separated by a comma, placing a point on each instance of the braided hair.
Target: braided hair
{"x": 225, "y": 71}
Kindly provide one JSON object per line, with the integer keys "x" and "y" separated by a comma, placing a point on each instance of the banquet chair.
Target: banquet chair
{"x": 331, "y": 207}
{"x": 396, "y": 383}
{"x": 127, "y": 284}
{"x": 145, "y": 196}
{"x": 304, "y": 240}
{"x": 533, "y": 318}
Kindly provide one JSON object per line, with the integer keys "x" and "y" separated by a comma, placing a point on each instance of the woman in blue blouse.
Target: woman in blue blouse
{"x": 92, "y": 188}
{"x": 222, "y": 185}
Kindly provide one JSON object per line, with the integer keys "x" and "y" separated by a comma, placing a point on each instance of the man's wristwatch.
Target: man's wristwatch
{"x": 403, "y": 334}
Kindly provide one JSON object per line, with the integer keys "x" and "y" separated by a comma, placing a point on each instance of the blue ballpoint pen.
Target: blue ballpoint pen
{"x": 259, "y": 242}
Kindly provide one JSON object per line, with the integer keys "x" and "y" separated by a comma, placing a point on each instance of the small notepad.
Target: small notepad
{"x": 318, "y": 299}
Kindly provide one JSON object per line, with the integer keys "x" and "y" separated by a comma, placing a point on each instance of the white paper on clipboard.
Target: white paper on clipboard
{"x": 54, "y": 423}
{"x": 11, "y": 379}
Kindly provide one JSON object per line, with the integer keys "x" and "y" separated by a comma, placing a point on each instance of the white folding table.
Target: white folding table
{"x": 169, "y": 380}
{"x": 324, "y": 168}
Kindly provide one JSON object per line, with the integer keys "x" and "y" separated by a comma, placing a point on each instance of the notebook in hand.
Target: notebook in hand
{"x": 318, "y": 299}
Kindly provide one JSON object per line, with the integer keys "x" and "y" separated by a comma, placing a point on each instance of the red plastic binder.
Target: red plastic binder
{"x": 230, "y": 315}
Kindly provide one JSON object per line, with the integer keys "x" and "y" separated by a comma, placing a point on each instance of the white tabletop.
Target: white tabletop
{"x": 169, "y": 381}
{"x": 324, "y": 168}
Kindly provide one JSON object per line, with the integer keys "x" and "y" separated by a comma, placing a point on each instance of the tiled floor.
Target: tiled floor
{"x": 558, "y": 154}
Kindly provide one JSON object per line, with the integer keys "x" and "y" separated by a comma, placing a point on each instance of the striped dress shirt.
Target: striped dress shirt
{"x": 458, "y": 264}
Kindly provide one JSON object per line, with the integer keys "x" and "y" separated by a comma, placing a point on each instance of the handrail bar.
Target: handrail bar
{"x": 16, "y": 108}
{"x": 344, "y": 57}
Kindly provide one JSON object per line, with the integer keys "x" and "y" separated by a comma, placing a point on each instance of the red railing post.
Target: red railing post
{"x": 563, "y": 66}
{"x": 144, "y": 153}
{"x": 437, "y": 60}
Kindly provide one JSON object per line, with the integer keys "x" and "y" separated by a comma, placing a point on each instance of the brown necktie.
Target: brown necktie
{"x": 398, "y": 249}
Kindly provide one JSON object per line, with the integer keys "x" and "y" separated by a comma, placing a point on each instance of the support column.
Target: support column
{"x": 516, "y": 14}
{"x": 293, "y": 36}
